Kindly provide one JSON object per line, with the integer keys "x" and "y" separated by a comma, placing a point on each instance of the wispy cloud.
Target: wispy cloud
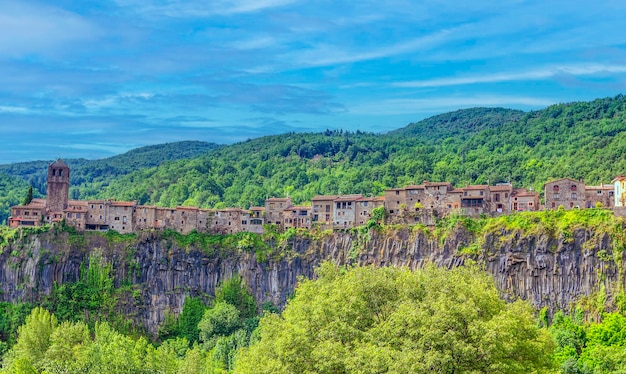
{"x": 200, "y": 9}
{"x": 531, "y": 75}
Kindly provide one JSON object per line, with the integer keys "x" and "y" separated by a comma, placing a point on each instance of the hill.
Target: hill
{"x": 578, "y": 140}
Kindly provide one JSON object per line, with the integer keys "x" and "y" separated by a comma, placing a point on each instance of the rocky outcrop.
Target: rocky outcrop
{"x": 545, "y": 270}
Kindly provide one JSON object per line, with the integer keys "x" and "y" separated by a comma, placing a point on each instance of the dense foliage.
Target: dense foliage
{"x": 391, "y": 320}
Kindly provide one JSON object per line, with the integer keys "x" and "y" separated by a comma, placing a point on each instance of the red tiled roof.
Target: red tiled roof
{"x": 278, "y": 199}
{"x": 324, "y": 197}
{"x": 501, "y": 188}
{"x": 348, "y": 197}
{"x": 476, "y": 187}
{"x": 124, "y": 203}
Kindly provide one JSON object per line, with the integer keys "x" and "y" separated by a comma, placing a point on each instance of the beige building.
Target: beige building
{"x": 523, "y": 200}
{"x": 475, "y": 200}
{"x": 275, "y": 210}
{"x": 298, "y": 217}
{"x": 500, "y": 195}
{"x": 322, "y": 210}
{"x": 120, "y": 216}
{"x": 76, "y": 214}
{"x": 364, "y": 207}
{"x": 604, "y": 194}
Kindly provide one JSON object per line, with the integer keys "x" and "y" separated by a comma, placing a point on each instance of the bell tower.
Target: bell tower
{"x": 58, "y": 186}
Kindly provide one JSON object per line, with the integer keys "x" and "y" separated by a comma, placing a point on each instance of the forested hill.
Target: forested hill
{"x": 578, "y": 140}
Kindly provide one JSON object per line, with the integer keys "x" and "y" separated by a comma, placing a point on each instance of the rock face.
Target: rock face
{"x": 546, "y": 271}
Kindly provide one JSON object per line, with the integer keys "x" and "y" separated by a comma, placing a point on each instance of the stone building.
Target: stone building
{"x": 476, "y": 200}
{"x": 500, "y": 195}
{"x": 76, "y": 214}
{"x": 58, "y": 188}
{"x": 120, "y": 216}
{"x": 322, "y": 210}
{"x": 364, "y": 207}
{"x": 275, "y": 210}
{"x": 604, "y": 195}
{"x": 565, "y": 192}
{"x": 298, "y": 217}
{"x": 344, "y": 214}
{"x": 523, "y": 200}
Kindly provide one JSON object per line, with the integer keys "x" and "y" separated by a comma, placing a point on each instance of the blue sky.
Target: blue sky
{"x": 96, "y": 78}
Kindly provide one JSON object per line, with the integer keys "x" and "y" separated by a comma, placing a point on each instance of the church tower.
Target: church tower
{"x": 58, "y": 186}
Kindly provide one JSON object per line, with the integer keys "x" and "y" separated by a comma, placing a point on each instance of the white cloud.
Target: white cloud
{"x": 40, "y": 29}
{"x": 199, "y": 9}
{"x": 13, "y": 109}
{"x": 531, "y": 75}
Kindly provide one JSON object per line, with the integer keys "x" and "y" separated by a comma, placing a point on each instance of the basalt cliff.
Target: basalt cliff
{"x": 543, "y": 268}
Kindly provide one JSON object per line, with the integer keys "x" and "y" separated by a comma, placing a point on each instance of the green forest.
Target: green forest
{"x": 348, "y": 320}
{"x": 481, "y": 145}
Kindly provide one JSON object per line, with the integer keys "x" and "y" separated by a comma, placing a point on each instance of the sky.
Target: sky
{"x": 97, "y": 78}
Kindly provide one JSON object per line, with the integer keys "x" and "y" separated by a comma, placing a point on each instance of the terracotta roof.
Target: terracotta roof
{"x": 507, "y": 187}
{"x": 435, "y": 184}
{"x": 476, "y": 187}
{"x": 124, "y": 203}
{"x": 619, "y": 178}
{"x": 564, "y": 179}
{"x": 279, "y": 199}
{"x": 348, "y": 197}
{"x": 59, "y": 163}
{"x": 396, "y": 189}
{"x": 414, "y": 187}
{"x": 186, "y": 208}
{"x": 456, "y": 190}
{"x": 302, "y": 207}
{"x": 257, "y": 208}
{"x": 324, "y": 197}
{"x": 77, "y": 203}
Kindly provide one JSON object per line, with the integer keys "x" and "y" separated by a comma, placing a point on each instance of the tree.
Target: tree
{"x": 29, "y": 196}
{"x": 234, "y": 292}
{"x": 221, "y": 320}
{"x": 33, "y": 338}
{"x": 393, "y": 320}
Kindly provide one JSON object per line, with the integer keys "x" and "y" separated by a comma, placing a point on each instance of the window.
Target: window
{"x": 482, "y": 193}
{"x": 91, "y": 206}
{"x": 571, "y": 204}
{"x": 26, "y": 213}
{"x": 364, "y": 203}
{"x": 100, "y": 217}
{"x": 555, "y": 188}
{"x": 100, "y": 206}
{"x": 465, "y": 193}
{"x": 124, "y": 219}
{"x": 69, "y": 215}
{"x": 116, "y": 218}
{"x": 244, "y": 222}
{"x": 574, "y": 195}
{"x": 553, "y": 205}
{"x": 599, "y": 192}
{"x": 573, "y": 187}
{"x": 61, "y": 173}
{"x": 77, "y": 215}
{"x": 397, "y": 192}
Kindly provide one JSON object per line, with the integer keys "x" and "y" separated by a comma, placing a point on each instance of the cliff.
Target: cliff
{"x": 546, "y": 269}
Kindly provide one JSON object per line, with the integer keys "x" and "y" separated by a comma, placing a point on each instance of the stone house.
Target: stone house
{"x": 523, "y": 200}
{"x": 364, "y": 207}
{"x": 256, "y": 219}
{"x": 32, "y": 214}
{"x": 76, "y": 214}
{"x": 604, "y": 194}
{"x": 322, "y": 210}
{"x": 344, "y": 214}
{"x": 275, "y": 210}
{"x": 145, "y": 217}
{"x": 475, "y": 200}
{"x": 396, "y": 200}
{"x": 298, "y": 217}
{"x": 120, "y": 216}
{"x": 500, "y": 198}
{"x": 226, "y": 221}
{"x": 565, "y": 192}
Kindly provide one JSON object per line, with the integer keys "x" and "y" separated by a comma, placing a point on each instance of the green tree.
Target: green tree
{"x": 29, "y": 196}
{"x": 235, "y": 292}
{"x": 33, "y": 338}
{"x": 221, "y": 320}
{"x": 372, "y": 320}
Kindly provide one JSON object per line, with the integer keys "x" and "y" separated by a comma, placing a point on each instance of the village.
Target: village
{"x": 423, "y": 203}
